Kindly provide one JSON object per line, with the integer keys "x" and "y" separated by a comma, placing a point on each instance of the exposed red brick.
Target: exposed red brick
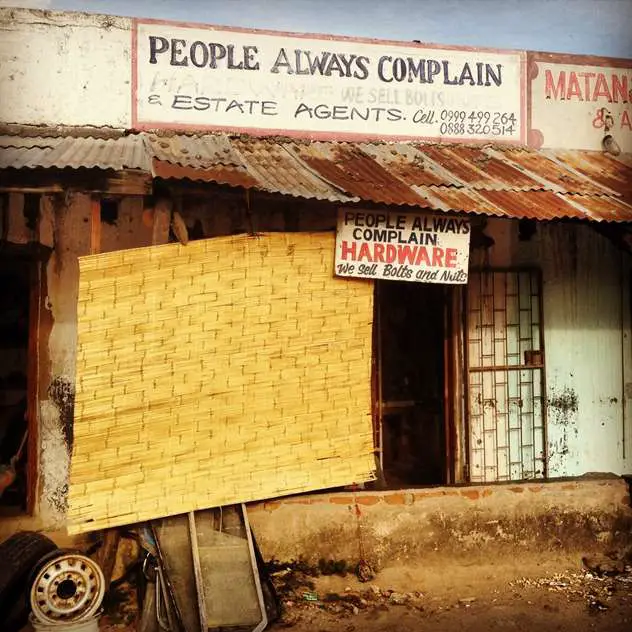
{"x": 395, "y": 499}
{"x": 472, "y": 494}
{"x": 536, "y": 489}
{"x": 368, "y": 500}
{"x": 485, "y": 493}
{"x": 517, "y": 490}
{"x": 421, "y": 495}
{"x": 341, "y": 500}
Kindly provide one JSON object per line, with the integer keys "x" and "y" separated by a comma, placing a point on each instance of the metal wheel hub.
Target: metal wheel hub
{"x": 69, "y": 587}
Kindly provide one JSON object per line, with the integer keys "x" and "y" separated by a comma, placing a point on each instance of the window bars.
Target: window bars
{"x": 506, "y": 376}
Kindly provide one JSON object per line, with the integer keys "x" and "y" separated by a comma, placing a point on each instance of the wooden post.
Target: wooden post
{"x": 95, "y": 226}
{"x": 17, "y": 230}
{"x": 106, "y": 556}
{"x": 162, "y": 221}
{"x": 46, "y": 222}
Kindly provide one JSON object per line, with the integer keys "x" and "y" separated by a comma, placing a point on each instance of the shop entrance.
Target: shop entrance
{"x": 15, "y": 281}
{"x": 411, "y": 331}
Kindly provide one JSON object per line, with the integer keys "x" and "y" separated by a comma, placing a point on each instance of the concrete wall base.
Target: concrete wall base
{"x": 420, "y": 525}
{"x": 426, "y": 526}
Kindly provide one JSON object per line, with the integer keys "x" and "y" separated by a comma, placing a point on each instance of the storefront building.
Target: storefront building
{"x": 396, "y": 273}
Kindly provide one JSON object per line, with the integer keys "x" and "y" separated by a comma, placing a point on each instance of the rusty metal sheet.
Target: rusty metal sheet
{"x": 219, "y": 174}
{"x": 534, "y": 204}
{"x": 345, "y": 166}
{"x": 611, "y": 173}
{"x": 557, "y": 174}
{"x": 278, "y": 169}
{"x": 493, "y": 180}
{"x": 603, "y": 208}
{"x": 477, "y": 168}
{"x": 409, "y": 164}
{"x": 542, "y": 205}
{"x": 201, "y": 152}
{"x": 459, "y": 199}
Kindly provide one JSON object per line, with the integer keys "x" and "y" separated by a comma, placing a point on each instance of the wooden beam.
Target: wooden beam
{"x": 125, "y": 182}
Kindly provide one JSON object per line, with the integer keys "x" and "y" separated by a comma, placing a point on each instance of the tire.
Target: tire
{"x": 19, "y": 554}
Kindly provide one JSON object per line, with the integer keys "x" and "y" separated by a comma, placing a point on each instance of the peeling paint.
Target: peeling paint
{"x": 54, "y": 464}
{"x": 62, "y": 393}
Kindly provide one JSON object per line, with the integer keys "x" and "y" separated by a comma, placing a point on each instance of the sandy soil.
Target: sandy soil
{"x": 521, "y": 595}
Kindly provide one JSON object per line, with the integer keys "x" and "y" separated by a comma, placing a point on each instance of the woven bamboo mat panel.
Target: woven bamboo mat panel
{"x": 224, "y": 371}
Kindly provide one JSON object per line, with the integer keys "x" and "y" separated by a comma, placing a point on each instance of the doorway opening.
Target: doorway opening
{"x": 411, "y": 382}
{"x": 15, "y": 284}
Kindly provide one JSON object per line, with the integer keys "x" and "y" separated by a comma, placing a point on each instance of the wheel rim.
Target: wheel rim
{"x": 69, "y": 587}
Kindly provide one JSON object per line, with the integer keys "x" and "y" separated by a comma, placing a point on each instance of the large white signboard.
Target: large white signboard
{"x": 193, "y": 77}
{"x": 402, "y": 246}
{"x": 573, "y": 106}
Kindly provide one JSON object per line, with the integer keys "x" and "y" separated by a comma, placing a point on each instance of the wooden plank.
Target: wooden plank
{"x": 106, "y": 556}
{"x": 197, "y": 571}
{"x": 126, "y": 182}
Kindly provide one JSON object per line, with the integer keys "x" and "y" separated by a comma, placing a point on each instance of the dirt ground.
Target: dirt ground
{"x": 512, "y": 594}
{"x": 516, "y": 594}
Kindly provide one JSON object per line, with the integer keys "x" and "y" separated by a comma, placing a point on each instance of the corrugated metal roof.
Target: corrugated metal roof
{"x": 277, "y": 169}
{"x": 201, "y": 152}
{"x": 127, "y": 152}
{"x": 494, "y": 180}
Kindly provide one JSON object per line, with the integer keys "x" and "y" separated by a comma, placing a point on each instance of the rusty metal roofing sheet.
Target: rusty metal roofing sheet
{"x": 352, "y": 171}
{"x": 219, "y": 174}
{"x": 201, "y": 152}
{"x": 278, "y": 169}
{"x": 494, "y": 180}
{"x": 559, "y": 174}
{"x": 476, "y": 168}
{"x": 533, "y": 204}
{"x": 607, "y": 171}
{"x": 409, "y": 164}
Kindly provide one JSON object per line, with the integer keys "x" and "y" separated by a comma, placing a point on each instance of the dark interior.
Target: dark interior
{"x": 14, "y": 335}
{"x": 411, "y": 317}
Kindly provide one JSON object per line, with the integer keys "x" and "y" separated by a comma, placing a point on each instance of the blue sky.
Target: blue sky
{"x": 596, "y": 27}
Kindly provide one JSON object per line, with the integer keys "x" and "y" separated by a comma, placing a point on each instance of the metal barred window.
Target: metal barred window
{"x": 507, "y": 429}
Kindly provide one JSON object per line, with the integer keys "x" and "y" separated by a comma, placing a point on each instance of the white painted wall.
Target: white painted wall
{"x": 588, "y": 351}
{"x": 64, "y": 69}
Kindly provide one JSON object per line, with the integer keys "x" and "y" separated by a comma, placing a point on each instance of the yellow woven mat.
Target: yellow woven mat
{"x": 228, "y": 370}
